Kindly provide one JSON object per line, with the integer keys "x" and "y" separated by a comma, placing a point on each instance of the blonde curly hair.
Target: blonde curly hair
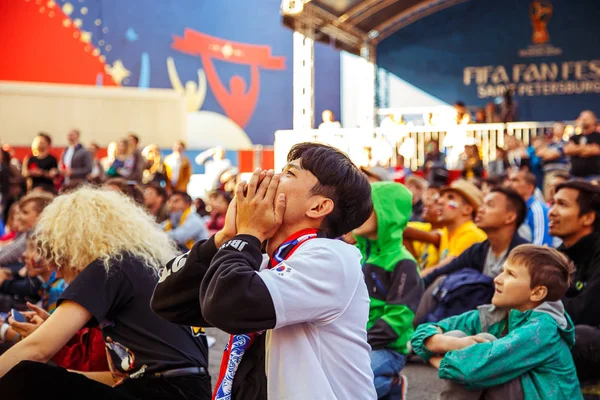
{"x": 89, "y": 224}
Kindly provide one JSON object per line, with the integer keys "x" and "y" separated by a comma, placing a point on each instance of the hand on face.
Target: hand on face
{"x": 259, "y": 209}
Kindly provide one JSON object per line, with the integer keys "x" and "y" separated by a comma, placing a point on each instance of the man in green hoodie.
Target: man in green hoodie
{"x": 394, "y": 285}
{"x": 531, "y": 358}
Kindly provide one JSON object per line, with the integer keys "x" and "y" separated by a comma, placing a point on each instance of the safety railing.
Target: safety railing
{"x": 365, "y": 146}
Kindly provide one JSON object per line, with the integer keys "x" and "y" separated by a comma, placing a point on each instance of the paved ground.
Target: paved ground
{"x": 422, "y": 380}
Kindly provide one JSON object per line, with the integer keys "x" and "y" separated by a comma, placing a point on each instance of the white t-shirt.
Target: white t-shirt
{"x": 318, "y": 348}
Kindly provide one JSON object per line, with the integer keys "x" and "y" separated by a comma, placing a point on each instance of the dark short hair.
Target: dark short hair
{"x": 493, "y": 181}
{"x": 547, "y": 267}
{"x": 515, "y": 203}
{"x": 460, "y": 103}
{"x": 529, "y": 178}
{"x": 134, "y": 137}
{"x": 220, "y": 193}
{"x": 159, "y": 190}
{"x": 128, "y": 188}
{"x": 588, "y": 198}
{"x": 46, "y": 137}
{"x": 339, "y": 180}
{"x": 186, "y": 197}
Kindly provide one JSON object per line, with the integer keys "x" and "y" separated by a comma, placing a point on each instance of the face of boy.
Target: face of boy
{"x": 297, "y": 183}
{"x": 513, "y": 289}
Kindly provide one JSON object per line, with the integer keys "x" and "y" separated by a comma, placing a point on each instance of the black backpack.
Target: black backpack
{"x": 462, "y": 291}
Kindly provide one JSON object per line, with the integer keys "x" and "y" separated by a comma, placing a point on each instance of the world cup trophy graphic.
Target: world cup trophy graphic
{"x": 540, "y": 12}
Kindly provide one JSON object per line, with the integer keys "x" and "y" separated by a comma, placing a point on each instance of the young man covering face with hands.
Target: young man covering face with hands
{"x": 299, "y": 312}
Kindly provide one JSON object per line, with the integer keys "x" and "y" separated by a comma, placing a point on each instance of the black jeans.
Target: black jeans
{"x": 35, "y": 381}
{"x": 586, "y": 352}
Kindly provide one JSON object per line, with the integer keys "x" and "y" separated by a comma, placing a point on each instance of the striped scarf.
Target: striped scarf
{"x": 239, "y": 344}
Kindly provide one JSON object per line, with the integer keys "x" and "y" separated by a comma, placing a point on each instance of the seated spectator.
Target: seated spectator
{"x": 473, "y": 168}
{"x": 417, "y": 187}
{"x": 183, "y": 226}
{"x": 219, "y": 203}
{"x": 490, "y": 183}
{"x": 112, "y": 269}
{"x": 553, "y": 155}
{"x": 154, "y": 166}
{"x": 111, "y": 155}
{"x": 498, "y": 167}
{"x": 516, "y": 348}
{"x": 575, "y": 218}
{"x": 155, "y": 200}
{"x": 517, "y": 155}
{"x": 500, "y": 216}
{"x": 394, "y": 285}
{"x": 15, "y": 288}
{"x": 459, "y": 203}
{"x": 50, "y": 290}
{"x": 426, "y": 254}
{"x": 97, "y": 173}
{"x": 555, "y": 180}
{"x": 11, "y": 229}
{"x": 117, "y": 168}
{"x": 535, "y": 228}
{"x": 178, "y": 168}
{"x": 584, "y": 149}
{"x": 128, "y": 188}
{"x": 200, "y": 207}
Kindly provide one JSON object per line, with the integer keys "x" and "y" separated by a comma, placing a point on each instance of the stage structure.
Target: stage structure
{"x": 356, "y": 26}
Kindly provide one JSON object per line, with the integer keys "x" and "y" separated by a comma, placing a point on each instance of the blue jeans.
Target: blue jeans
{"x": 386, "y": 365}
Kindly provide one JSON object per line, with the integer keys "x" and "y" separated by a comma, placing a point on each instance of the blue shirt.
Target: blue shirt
{"x": 535, "y": 228}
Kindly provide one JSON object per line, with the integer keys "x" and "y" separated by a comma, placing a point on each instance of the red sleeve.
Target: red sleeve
{"x": 84, "y": 352}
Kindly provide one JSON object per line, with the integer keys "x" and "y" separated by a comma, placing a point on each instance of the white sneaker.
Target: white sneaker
{"x": 404, "y": 383}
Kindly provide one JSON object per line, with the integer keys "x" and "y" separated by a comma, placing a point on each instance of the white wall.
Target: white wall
{"x": 102, "y": 114}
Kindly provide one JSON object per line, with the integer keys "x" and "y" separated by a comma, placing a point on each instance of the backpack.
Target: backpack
{"x": 462, "y": 291}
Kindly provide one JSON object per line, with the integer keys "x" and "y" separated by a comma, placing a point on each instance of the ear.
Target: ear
{"x": 538, "y": 294}
{"x": 588, "y": 219}
{"x": 510, "y": 218}
{"x": 468, "y": 209}
{"x": 320, "y": 207}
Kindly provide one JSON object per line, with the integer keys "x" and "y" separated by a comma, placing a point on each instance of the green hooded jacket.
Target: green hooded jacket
{"x": 391, "y": 272}
{"x": 534, "y": 346}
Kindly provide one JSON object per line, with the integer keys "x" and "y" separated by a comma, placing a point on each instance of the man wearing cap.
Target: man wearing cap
{"x": 459, "y": 203}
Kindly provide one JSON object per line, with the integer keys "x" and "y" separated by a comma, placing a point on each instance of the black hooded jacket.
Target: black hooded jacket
{"x": 581, "y": 300}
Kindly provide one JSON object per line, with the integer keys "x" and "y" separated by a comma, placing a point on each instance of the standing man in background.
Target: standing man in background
{"x": 584, "y": 149}
{"x": 76, "y": 161}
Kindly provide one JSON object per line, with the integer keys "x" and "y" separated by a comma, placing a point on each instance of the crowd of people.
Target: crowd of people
{"x": 329, "y": 278}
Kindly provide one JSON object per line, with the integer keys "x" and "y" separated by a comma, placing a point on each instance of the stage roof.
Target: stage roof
{"x": 349, "y": 24}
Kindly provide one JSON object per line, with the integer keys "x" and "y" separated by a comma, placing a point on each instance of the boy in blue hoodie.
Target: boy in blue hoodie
{"x": 531, "y": 358}
{"x": 395, "y": 287}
